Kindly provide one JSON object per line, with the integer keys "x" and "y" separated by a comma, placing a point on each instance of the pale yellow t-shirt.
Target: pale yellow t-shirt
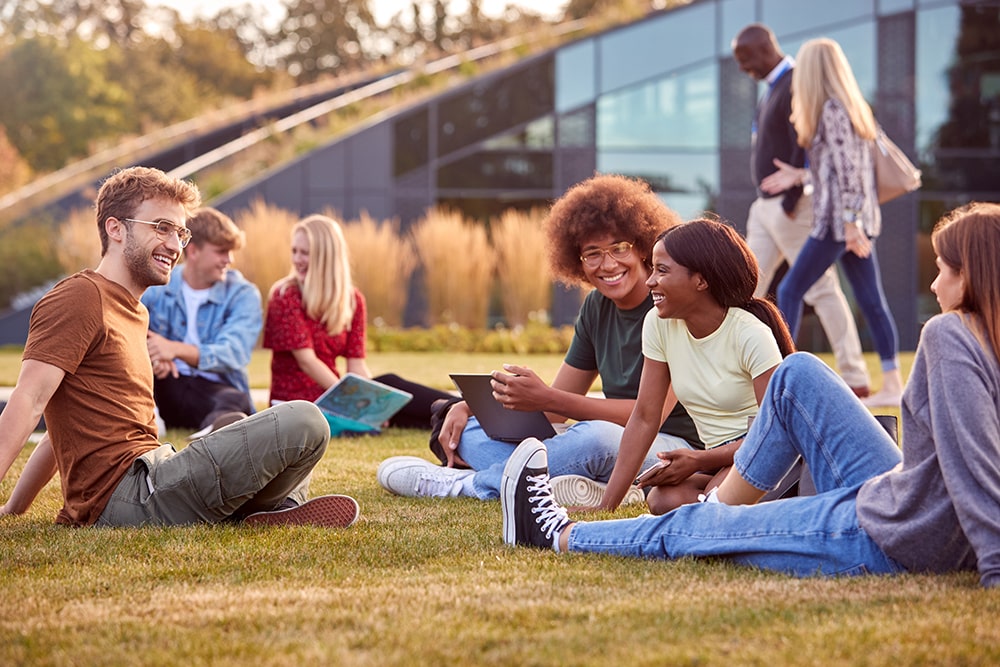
{"x": 713, "y": 376}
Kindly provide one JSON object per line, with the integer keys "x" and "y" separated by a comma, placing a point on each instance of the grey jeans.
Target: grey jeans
{"x": 250, "y": 466}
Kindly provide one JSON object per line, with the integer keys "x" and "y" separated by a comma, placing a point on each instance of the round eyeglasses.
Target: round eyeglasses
{"x": 595, "y": 256}
{"x": 165, "y": 228}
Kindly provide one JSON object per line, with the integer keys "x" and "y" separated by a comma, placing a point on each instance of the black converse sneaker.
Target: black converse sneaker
{"x": 530, "y": 514}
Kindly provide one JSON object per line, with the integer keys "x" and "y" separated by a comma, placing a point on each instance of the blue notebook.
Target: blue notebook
{"x": 359, "y": 405}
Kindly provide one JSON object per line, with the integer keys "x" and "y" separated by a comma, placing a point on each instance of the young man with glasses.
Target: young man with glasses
{"x": 600, "y": 234}
{"x": 203, "y": 325}
{"x": 86, "y": 366}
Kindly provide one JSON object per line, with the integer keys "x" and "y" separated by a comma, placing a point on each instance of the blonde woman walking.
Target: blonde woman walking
{"x": 836, "y": 126}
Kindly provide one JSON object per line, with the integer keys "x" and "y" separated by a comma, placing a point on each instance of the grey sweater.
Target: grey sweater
{"x": 939, "y": 510}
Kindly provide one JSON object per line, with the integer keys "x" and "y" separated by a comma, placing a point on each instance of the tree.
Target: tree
{"x": 14, "y": 170}
{"x": 57, "y": 100}
{"x": 323, "y": 36}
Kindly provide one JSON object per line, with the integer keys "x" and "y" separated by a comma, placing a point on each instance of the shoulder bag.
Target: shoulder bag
{"x": 895, "y": 175}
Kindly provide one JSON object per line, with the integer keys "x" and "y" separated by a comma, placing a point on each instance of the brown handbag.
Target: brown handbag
{"x": 895, "y": 175}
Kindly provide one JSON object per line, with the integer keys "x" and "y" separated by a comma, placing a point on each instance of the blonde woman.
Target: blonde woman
{"x": 315, "y": 315}
{"x": 836, "y": 126}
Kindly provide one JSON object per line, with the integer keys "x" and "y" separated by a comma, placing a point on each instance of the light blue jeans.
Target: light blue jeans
{"x": 587, "y": 448}
{"x": 809, "y": 411}
{"x": 866, "y": 281}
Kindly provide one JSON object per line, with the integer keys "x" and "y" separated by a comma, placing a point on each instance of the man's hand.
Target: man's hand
{"x": 451, "y": 433}
{"x": 162, "y": 369}
{"x": 519, "y": 388}
{"x": 159, "y": 348}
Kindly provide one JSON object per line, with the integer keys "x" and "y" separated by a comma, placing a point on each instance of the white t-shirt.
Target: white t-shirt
{"x": 713, "y": 376}
{"x": 193, "y": 298}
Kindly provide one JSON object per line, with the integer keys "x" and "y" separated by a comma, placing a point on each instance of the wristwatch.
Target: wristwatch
{"x": 851, "y": 218}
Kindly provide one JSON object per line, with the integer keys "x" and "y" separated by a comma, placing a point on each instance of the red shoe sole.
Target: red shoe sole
{"x": 324, "y": 511}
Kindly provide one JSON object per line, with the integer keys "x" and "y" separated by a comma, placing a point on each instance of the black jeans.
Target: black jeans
{"x": 190, "y": 401}
{"x": 416, "y": 413}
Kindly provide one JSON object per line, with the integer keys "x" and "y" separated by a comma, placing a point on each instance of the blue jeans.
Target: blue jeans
{"x": 587, "y": 448}
{"x": 866, "y": 282}
{"x": 807, "y": 411}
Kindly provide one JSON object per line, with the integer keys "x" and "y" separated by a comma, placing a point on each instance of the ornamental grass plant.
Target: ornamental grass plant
{"x": 267, "y": 255}
{"x": 77, "y": 246}
{"x": 456, "y": 261}
{"x": 382, "y": 264}
{"x": 522, "y": 265}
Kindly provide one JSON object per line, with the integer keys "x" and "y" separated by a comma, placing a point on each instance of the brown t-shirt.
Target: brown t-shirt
{"x": 100, "y": 419}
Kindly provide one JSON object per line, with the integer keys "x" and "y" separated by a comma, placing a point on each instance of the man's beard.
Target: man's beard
{"x": 141, "y": 265}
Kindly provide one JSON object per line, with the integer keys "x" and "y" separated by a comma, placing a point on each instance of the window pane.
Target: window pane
{"x": 789, "y": 16}
{"x": 736, "y": 15}
{"x": 505, "y": 169}
{"x": 677, "y": 112}
{"x": 688, "y": 182}
{"x": 651, "y": 48}
{"x": 575, "y": 85}
{"x": 410, "y": 147}
{"x": 495, "y": 104}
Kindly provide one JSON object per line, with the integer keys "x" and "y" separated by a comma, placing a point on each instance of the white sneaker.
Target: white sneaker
{"x": 415, "y": 477}
{"x": 579, "y": 491}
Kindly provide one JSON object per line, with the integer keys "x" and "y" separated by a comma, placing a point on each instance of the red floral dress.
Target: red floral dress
{"x": 288, "y": 328}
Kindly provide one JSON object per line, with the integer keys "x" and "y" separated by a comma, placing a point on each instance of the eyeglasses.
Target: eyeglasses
{"x": 594, "y": 257}
{"x": 165, "y": 228}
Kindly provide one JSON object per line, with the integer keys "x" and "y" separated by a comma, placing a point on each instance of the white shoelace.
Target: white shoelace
{"x": 552, "y": 518}
{"x": 436, "y": 485}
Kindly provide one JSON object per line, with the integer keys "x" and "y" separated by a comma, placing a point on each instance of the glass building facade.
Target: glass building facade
{"x": 663, "y": 99}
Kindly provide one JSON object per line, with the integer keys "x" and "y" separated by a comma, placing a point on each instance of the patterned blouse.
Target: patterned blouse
{"x": 289, "y": 328}
{"x": 842, "y": 170}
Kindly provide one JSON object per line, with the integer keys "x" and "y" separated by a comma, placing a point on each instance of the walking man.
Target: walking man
{"x": 778, "y": 225}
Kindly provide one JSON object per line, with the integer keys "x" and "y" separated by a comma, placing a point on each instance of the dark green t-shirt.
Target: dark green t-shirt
{"x": 609, "y": 340}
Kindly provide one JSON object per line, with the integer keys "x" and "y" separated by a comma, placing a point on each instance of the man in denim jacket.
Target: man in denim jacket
{"x": 203, "y": 326}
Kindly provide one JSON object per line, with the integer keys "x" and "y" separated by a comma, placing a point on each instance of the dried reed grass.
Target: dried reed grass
{"x": 266, "y": 257}
{"x": 382, "y": 263}
{"x": 78, "y": 246}
{"x": 522, "y": 268}
{"x": 457, "y": 262}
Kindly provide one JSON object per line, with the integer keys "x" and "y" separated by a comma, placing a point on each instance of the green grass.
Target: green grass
{"x": 424, "y": 582}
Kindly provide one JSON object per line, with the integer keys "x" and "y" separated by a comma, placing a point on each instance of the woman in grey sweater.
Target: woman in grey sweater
{"x": 936, "y": 508}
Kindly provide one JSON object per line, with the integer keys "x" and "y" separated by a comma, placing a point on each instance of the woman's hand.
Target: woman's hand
{"x": 677, "y": 465}
{"x": 785, "y": 178}
{"x": 856, "y": 240}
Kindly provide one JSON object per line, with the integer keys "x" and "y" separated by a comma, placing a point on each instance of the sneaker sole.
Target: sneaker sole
{"x": 323, "y": 511}
{"x": 579, "y": 491}
{"x": 508, "y": 484}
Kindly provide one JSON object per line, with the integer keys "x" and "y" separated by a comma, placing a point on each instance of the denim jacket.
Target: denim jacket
{"x": 229, "y": 323}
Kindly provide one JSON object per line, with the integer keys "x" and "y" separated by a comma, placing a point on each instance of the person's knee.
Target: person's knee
{"x": 306, "y": 420}
{"x": 663, "y": 499}
{"x": 597, "y": 433}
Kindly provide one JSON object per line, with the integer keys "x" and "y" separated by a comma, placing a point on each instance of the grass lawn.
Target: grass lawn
{"x": 426, "y": 582}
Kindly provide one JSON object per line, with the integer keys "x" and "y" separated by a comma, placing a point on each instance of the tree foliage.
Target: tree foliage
{"x": 78, "y": 75}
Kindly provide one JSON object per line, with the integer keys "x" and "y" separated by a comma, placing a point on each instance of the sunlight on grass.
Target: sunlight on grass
{"x": 428, "y": 582}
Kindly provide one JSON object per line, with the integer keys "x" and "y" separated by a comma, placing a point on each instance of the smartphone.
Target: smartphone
{"x": 645, "y": 474}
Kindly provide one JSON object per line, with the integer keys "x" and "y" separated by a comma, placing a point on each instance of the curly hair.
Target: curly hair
{"x": 625, "y": 208}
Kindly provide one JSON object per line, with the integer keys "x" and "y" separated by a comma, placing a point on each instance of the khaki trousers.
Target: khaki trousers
{"x": 250, "y": 466}
{"x": 775, "y": 237}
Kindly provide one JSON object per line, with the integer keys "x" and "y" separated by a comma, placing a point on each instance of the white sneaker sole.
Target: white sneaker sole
{"x": 579, "y": 491}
